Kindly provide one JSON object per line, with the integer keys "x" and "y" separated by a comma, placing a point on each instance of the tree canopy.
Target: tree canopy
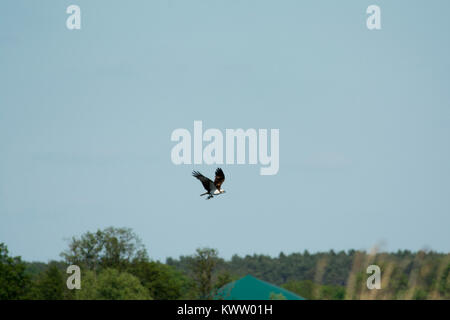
{"x": 108, "y": 248}
{"x": 14, "y": 282}
{"x": 114, "y": 264}
{"x": 111, "y": 284}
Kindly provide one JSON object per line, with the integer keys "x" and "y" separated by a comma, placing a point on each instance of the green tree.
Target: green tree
{"x": 111, "y": 284}
{"x": 50, "y": 285}
{"x": 223, "y": 278}
{"x": 162, "y": 281}
{"x": 14, "y": 282}
{"x": 444, "y": 283}
{"x": 304, "y": 288}
{"x": 223, "y": 285}
{"x": 331, "y": 292}
{"x": 108, "y": 248}
{"x": 33, "y": 269}
{"x": 203, "y": 266}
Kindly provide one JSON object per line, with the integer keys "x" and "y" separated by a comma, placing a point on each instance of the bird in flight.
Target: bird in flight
{"x": 212, "y": 188}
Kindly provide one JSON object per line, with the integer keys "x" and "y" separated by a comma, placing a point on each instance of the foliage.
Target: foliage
{"x": 111, "y": 284}
{"x": 305, "y": 288}
{"x": 34, "y": 269}
{"x": 276, "y": 296}
{"x": 342, "y": 275}
{"x": 112, "y": 247}
{"x": 114, "y": 265}
{"x": 49, "y": 285}
{"x": 314, "y": 291}
{"x": 14, "y": 282}
{"x": 162, "y": 281}
{"x": 203, "y": 266}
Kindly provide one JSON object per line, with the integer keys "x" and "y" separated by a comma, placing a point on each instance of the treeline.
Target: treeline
{"x": 115, "y": 265}
{"x": 343, "y": 275}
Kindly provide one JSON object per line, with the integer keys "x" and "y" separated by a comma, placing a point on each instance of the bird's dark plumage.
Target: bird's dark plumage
{"x": 220, "y": 178}
{"x": 212, "y": 188}
{"x": 206, "y": 182}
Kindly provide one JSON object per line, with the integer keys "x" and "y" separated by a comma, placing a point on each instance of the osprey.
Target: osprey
{"x": 212, "y": 188}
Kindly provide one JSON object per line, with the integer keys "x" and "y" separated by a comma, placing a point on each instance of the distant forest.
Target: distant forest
{"x": 115, "y": 265}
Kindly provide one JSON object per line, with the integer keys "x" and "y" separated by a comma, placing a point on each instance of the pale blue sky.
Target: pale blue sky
{"x": 364, "y": 118}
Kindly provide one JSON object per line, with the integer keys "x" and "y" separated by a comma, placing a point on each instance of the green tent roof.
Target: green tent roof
{"x": 251, "y": 288}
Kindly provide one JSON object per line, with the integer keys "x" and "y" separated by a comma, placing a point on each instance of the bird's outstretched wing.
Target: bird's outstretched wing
{"x": 207, "y": 183}
{"x": 220, "y": 178}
